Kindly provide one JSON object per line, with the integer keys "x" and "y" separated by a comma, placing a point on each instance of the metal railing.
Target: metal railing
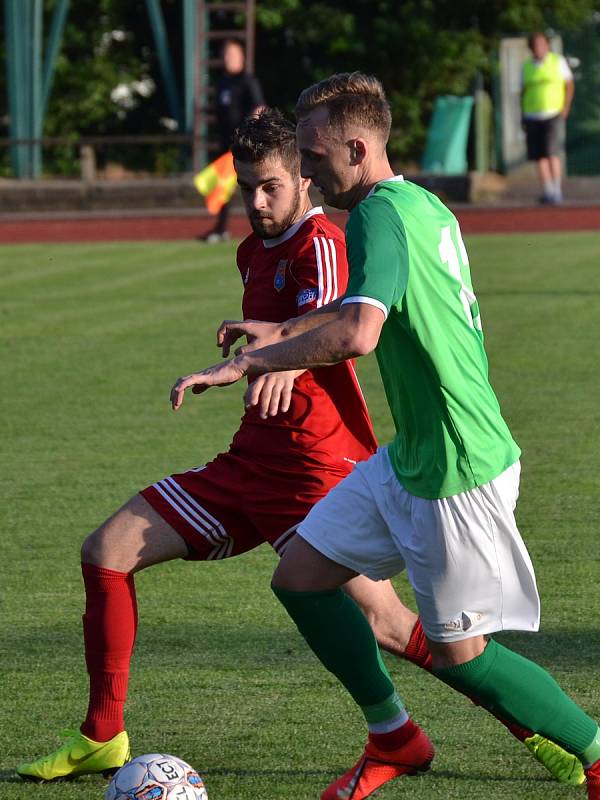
{"x": 89, "y": 147}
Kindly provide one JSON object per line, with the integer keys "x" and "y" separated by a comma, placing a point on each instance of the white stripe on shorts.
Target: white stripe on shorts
{"x": 197, "y": 517}
{"x": 280, "y": 544}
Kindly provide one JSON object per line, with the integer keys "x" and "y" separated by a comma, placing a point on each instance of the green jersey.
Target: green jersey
{"x": 407, "y": 257}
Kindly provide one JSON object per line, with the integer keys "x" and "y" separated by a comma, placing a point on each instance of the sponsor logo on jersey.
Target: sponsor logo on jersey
{"x": 306, "y": 296}
{"x": 279, "y": 280}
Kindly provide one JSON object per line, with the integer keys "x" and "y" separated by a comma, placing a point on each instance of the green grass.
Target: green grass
{"x": 92, "y": 338}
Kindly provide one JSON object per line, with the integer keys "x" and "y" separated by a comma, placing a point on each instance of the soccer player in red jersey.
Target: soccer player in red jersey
{"x": 302, "y": 432}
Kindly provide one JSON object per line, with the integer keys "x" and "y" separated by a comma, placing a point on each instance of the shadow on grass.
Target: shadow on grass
{"x": 561, "y": 648}
{"x": 487, "y": 777}
{"x": 248, "y": 644}
{"x": 330, "y": 774}
{"x": 10, "y": 776}
{"x": 271, "y": 773}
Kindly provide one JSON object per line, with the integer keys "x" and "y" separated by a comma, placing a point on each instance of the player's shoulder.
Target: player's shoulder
{"x": 319, "y": 224}
{"x": 318, "y": 227}
{"x": 247, "y": 245}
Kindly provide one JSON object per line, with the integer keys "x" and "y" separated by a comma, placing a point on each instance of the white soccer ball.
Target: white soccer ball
{"x": 156, "y": 776}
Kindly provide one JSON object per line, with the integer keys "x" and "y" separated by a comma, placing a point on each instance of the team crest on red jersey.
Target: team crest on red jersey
{"x": 279, "y": 280}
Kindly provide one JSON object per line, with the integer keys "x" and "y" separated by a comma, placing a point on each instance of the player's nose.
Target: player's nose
{"x": 258, "y": 201}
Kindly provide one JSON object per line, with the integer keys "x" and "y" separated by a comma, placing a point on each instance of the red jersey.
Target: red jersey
{"x": 327, "y": 425}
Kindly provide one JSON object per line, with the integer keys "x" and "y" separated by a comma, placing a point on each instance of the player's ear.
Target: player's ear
{"x": 304, "y": 184}
{"x": 358, "y": 151}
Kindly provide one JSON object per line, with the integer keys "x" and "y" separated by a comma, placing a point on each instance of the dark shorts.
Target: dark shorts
{"x": 544, "y": 137}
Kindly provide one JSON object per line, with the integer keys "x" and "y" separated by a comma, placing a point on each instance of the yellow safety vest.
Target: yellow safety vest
{"x": 543, "y": 85}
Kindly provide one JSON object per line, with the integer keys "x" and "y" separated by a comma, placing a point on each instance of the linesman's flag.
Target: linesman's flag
{"x": 216, "y": 182}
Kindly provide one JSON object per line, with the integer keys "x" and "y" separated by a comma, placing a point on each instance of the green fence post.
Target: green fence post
{"x": 163, "y": 52}
{"x": 482, "y": 129}
{"x": 35, "y": 97}
{"x": 57, "y": 27}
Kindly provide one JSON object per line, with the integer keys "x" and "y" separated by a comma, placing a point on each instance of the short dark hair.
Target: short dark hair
{"x": 350, "y": 97}
{"x": 264, "y": 135}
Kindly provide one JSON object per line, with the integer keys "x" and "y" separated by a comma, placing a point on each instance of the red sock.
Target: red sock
{"x": 517, "y": 731}
{"x": 109, "y": 627}
{"x": 592, "y": 774}
{"x": 396, "y": 738}
{"x": 417, "y": 649}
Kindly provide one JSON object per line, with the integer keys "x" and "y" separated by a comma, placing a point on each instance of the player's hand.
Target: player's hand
{"x": 271, "y": 393}
{"x": 227, "y": 334}
{"x": 222, "y": 374}
{"x": 259, "y": 334}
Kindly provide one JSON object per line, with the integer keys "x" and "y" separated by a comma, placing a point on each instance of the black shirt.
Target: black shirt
{"x": 237, "y": 96}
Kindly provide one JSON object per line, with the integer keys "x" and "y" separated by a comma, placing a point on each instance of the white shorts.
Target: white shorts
{"x": 464, "y": 556}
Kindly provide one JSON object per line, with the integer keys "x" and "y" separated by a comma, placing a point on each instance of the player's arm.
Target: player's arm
{"x": 260, "y": 334}
{"x": 567, "y": 76}
{"x": 353, "y": 332}
{"x": 378, "y": 257}
{"x": 319, "y": 270}
{"x": 569, "y": 94}
{"x": 272, "y": 393}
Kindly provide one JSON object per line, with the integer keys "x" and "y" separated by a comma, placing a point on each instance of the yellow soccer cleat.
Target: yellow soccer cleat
{"x": 563, "y": 766}
{"x": 79, "y": 756}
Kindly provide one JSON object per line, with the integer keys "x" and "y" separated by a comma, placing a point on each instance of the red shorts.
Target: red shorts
{"x": 231, "y": 505}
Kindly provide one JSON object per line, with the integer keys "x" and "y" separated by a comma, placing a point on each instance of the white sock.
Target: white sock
{"x": 389, "y": 724}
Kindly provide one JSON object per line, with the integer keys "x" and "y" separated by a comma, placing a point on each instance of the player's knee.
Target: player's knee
{"x": 108, "y": 546}
{"x": 93, "y": 548}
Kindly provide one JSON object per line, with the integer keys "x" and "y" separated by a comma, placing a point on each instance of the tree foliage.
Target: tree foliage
{"x": 108, "y": 81}
{"x": 419, "y": 48}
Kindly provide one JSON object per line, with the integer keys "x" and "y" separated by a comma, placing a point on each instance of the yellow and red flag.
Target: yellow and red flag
{"x": 216, "y": 182}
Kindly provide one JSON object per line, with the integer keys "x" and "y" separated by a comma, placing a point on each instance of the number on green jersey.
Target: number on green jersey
{"x": 454, "y": 253}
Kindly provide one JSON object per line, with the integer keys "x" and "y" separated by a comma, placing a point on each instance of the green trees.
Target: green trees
{"x": 107, "y": 78}
{"x": 419, "y": 48}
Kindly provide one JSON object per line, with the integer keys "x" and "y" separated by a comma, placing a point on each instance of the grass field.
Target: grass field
{"x": 92, "y": 338}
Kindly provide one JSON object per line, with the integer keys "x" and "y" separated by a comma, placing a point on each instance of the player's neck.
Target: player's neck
{"x": 374, "y": 173}
{"x": 303, "y": 210}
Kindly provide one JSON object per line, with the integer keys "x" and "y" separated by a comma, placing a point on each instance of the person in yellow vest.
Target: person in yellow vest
{"x": 546, "y": 99}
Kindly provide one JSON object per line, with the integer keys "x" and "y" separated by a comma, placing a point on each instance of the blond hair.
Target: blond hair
{"x": 350, "y": 98}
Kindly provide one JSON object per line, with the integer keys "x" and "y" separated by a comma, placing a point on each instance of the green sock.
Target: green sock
{"x": 339, "y": 635}
{"x": 517, "y": 689}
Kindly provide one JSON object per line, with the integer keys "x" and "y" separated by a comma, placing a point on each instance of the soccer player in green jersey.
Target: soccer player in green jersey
{"x": 439, "y": 500}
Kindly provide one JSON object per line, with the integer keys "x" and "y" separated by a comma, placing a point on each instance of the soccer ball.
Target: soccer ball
{"x": 156, "y": 776}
